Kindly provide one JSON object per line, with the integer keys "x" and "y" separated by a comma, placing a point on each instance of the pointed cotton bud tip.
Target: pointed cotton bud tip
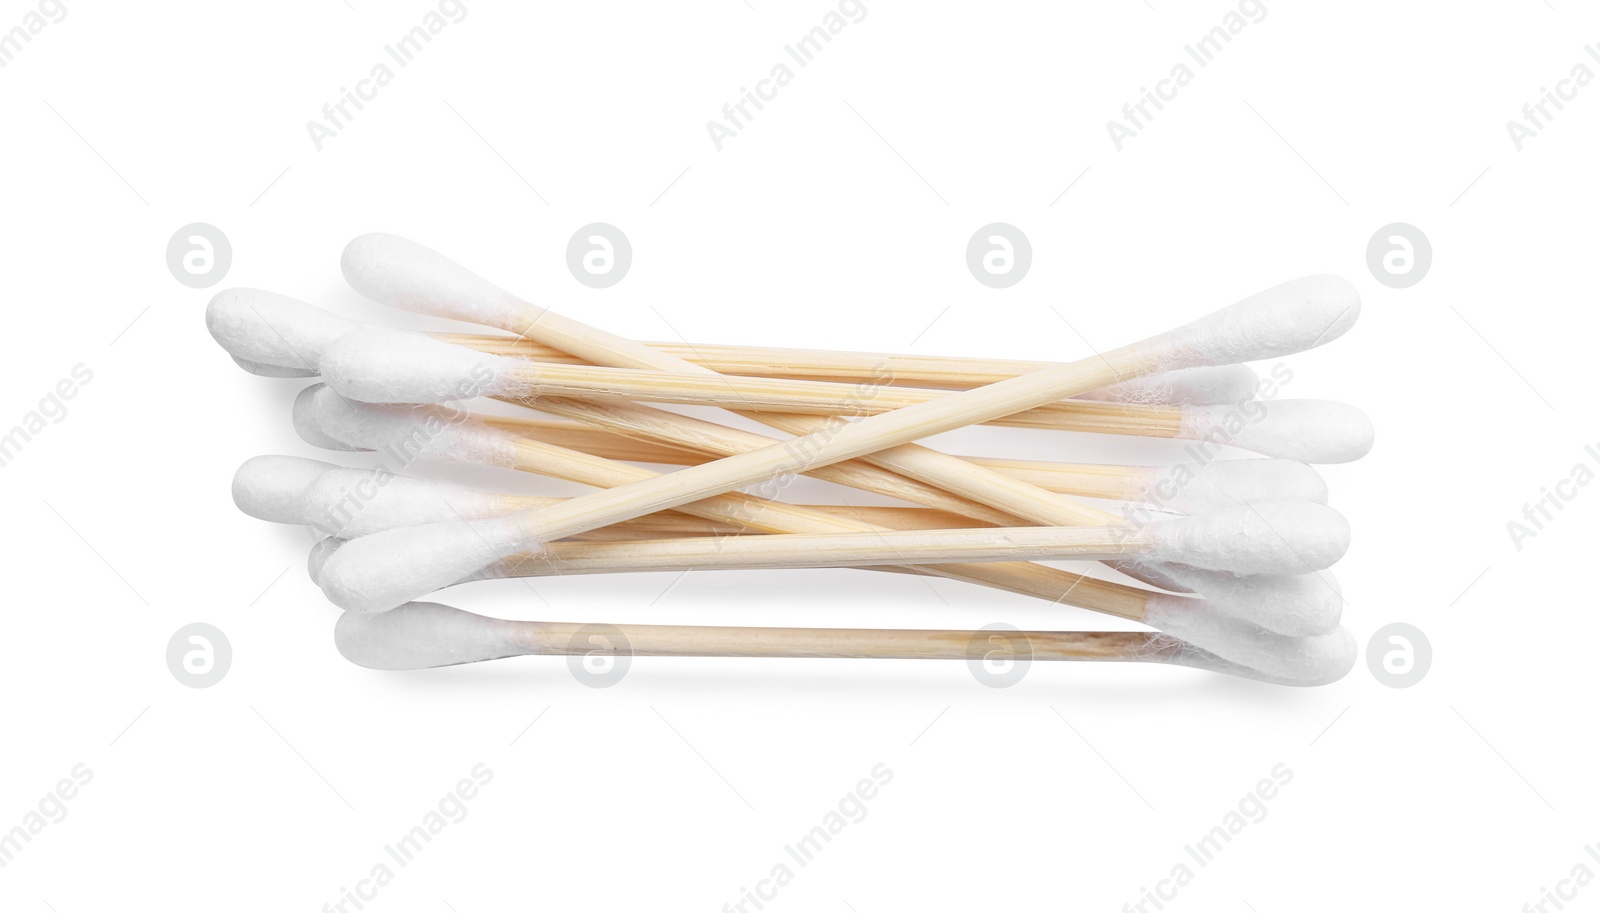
{"x": 378, "y": 572}
{"x": 1296, "y": 661}
{"x": 1293, "y": 317}
{"x": 422, "y": 635}
{"x": 1284, "y": 660}
{"x": 403, "y": 274}
{"x": 265, "y": 328}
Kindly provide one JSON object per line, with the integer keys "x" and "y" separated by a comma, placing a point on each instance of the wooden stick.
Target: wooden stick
{"x": 831, "y": 445}
{"x": 1028, "y": 501}
{"x": 567, "y": 638}
{"x": 1270, "y": 539}
{"x": 759, "y": 361}
{"x": 1024, "y": 578}
{"x": 675, "y": 523}
{"x": 424, "y": 635}
{"x": 670, "y": 523}
{"x": 941, "y": 371}
{"x": 1089, "y": 480}
{"x": 659, "y": 427}
{"x": 534, "y": 381}
{"x": 901, "y": 547}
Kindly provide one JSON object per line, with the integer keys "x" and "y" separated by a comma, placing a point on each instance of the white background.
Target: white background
{"x": 838, "y": 218}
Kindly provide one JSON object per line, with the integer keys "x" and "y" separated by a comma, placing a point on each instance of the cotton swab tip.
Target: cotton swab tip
{"x": 265, "y": 328}
{"x": 308, "y": 416}
{"x": 422, "y": 635}
{"x": 1298, "y": 605}
{"x": 1273, "y": 537}
{"x": 1294, "y": 661}
{"x": 380, "y": 365}
{"x": 358, "y": 502}
{"x": 1307, "y": 430}
{"x": 271, "y": 488}
{"x": 1285, "y": 660}
{"x": 318, "y": 557}
{"x": 404, "y": 274}
{"x": 1225, "y": 484}
{"x": 261, "y": 370}
{"x": 407, "y": 433}
{"x": 378, "y": 572}
{"x": 1298, "y": 315}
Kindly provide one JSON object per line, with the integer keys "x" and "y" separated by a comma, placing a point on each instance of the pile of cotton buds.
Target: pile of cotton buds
{"x": 1225, "y": 559}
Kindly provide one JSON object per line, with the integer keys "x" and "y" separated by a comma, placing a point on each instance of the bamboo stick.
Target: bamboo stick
{"x": 533, "y": 381}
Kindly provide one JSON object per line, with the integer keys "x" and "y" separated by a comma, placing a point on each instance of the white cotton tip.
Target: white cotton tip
{"x": 1315, "y": 660}
{"x": 320, "y": 553}
{"x": 307, "y": 416}
{"x": 392, "y": 270}
{"x": 261, "y": 370}
{"x": 1273, "y": 537}
{"x": 422, "y": 635}
{"x": 358, "y": 502}
{"x": 265, "y": 328}
{"x": 271, "y": 488}
{"x": 304, "y": 417}
{"x": 1308, "y": 430}
{"x": 1202, "y": 386}
{"x": 1299, "y": 605}
{"x": 1293, "y": 317}
{"x": 404, "y": 433}
{"x": 380, "y": 365}
{"x": 378, "y": 572}
{"x": 1193, "y": 488}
